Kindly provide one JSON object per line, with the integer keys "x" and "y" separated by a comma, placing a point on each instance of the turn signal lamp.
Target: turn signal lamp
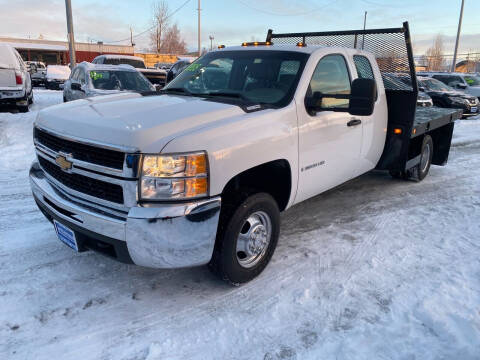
{"x": 397, "y": 131}
{"x": 221, "y": 46}
{"x": 301, "y": 44}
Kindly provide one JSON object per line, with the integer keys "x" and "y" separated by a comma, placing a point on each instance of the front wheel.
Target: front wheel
{"x": 246, "y": 239}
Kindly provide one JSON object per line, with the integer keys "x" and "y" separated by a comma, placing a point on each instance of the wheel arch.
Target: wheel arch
{"x": 273, "y": 177}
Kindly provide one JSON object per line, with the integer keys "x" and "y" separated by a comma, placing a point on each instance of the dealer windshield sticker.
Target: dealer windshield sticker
{"x": 95, "y": 75}
{"x": 193, "y": 67}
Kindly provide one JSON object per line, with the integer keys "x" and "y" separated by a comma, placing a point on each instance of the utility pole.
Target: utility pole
{"x": 364, "y": 27}
{"x": 199, "y": 49}
{"x": 458, "y": 38}
{"x": 211, "y": 42}
{"x": 71, "y": 39}
{"x": 131, "y": 37}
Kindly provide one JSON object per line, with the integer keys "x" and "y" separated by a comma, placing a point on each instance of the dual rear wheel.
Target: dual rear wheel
{"x": 420, "y": 171}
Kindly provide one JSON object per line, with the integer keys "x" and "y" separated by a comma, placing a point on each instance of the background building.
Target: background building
{"x": 56, "y": 52}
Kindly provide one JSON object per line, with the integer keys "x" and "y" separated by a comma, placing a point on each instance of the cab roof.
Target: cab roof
{"x": 308, "y": 49}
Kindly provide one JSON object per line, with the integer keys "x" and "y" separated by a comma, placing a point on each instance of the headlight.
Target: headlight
{"x": 458, "y": 100}
{"x": 174, "y": 176}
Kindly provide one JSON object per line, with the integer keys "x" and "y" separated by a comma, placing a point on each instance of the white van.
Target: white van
{"x": 15, "y": 82}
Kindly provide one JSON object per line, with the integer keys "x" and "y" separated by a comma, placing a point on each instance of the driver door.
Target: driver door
{"x": 329, "y": 141}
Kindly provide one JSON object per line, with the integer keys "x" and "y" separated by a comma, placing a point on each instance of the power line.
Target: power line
{"x": 151, "y": 28}
{"x": 288, "y": 14}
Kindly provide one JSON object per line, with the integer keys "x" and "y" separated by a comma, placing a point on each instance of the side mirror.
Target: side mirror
{"x": 61, "y": 86}
{"x": 421, "y": 88}
{"x": 362, "y": 98}
{"x": 76, "y": 86}
{"x": 461, "y": 86}
{"x": 157, "y": 87}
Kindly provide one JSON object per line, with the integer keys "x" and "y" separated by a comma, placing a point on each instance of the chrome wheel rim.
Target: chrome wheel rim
{"x": 253, "y": 239}
{"x": 425, "y": 158}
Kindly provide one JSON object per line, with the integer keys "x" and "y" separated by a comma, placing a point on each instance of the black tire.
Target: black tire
{"x": 420, "y": 171}
{"x": 64, "y": 99}
{"x": 24, "y": 108}
{"x": 225, "y": 261}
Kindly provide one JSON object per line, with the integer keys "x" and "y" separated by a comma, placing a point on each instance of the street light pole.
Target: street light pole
{"x": 199, "y": 49}
{"x": 453, "y": 68}
{"x": 71, "y": 39}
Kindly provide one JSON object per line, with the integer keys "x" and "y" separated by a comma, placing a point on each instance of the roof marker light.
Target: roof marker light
{"x": 257, "y": 43}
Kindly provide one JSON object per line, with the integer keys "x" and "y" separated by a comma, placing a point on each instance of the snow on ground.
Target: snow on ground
{"x": 376, "y": 269}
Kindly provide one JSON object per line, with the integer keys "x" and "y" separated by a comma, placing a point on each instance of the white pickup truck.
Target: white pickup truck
{"x": 198, "y": 173}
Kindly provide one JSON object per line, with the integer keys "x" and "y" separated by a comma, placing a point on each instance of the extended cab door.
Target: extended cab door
{"x": 329, "y": 141}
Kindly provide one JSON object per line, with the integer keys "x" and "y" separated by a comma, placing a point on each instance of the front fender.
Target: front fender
{"x": 242, "y": 142}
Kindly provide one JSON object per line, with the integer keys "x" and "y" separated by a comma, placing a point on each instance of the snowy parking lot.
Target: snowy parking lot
{"x": 376, "y": 269}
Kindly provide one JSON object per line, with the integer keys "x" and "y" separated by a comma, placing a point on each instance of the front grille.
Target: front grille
{"x": 84, "y": 184}
{"x": 109, "y": 158}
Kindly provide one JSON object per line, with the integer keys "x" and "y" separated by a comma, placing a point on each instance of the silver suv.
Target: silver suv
{"x": 15, "y": 82}
{"x": 88, "y": 80}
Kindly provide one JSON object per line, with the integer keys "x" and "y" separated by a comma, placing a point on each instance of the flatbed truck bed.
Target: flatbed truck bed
{"x": 431, "y": 118}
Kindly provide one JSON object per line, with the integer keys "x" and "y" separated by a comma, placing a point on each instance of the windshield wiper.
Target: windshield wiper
{"x": 181, "y": 90}
{"x": 228, "y": 94}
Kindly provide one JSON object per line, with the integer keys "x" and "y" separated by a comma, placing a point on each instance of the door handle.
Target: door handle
{"x": 354, "y": 122}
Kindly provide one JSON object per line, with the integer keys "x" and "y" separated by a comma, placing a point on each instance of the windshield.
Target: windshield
{"x": 472, "y": 80}
{"x": 435, "y": 85}
{"x": 119, "y": 80}
{"x": 397, "y": 83}
{"x": 249, "y": 76}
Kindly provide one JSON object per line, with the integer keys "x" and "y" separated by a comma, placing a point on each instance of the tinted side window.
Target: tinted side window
{"x": 81, "y": 76}
{"x": 74, "y": 74}
{"x": 449, "y": 80}
{"x": 364, "y": 68}
{"x": 331, "y": 76}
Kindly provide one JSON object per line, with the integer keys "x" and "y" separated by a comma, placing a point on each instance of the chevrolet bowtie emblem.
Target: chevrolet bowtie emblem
{"x": 62, "y": 161}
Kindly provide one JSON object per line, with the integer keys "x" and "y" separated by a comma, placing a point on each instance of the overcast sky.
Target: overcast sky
{"x": 234, "y": 21}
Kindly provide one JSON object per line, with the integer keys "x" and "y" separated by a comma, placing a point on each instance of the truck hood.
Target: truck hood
{"x": 145, "y": 123}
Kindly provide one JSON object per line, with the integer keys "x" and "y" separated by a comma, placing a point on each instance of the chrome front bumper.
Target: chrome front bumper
{"x": 156, "y": 235}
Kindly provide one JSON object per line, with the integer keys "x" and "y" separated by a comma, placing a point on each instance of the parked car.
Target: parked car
{"x": 469, "y": 83}
{"x": 447, "y": 97}
{"x": 199, "y": 172}
{"x": 404, "y": 83}
{"x": 163, "y": 66}
{"x": 38, "y": 72}
{"x": 56, "y": 76}
{"x": 87, "y": 80}
{"x": 155, "y": 76}
{"x": 15, "y": 81}
{"x": 177, "y": 68}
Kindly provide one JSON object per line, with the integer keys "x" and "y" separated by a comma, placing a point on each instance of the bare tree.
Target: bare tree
{"x": 173, "y": 42}
{"x": 435, "y": 55}
{"x": 160, "y": 22}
